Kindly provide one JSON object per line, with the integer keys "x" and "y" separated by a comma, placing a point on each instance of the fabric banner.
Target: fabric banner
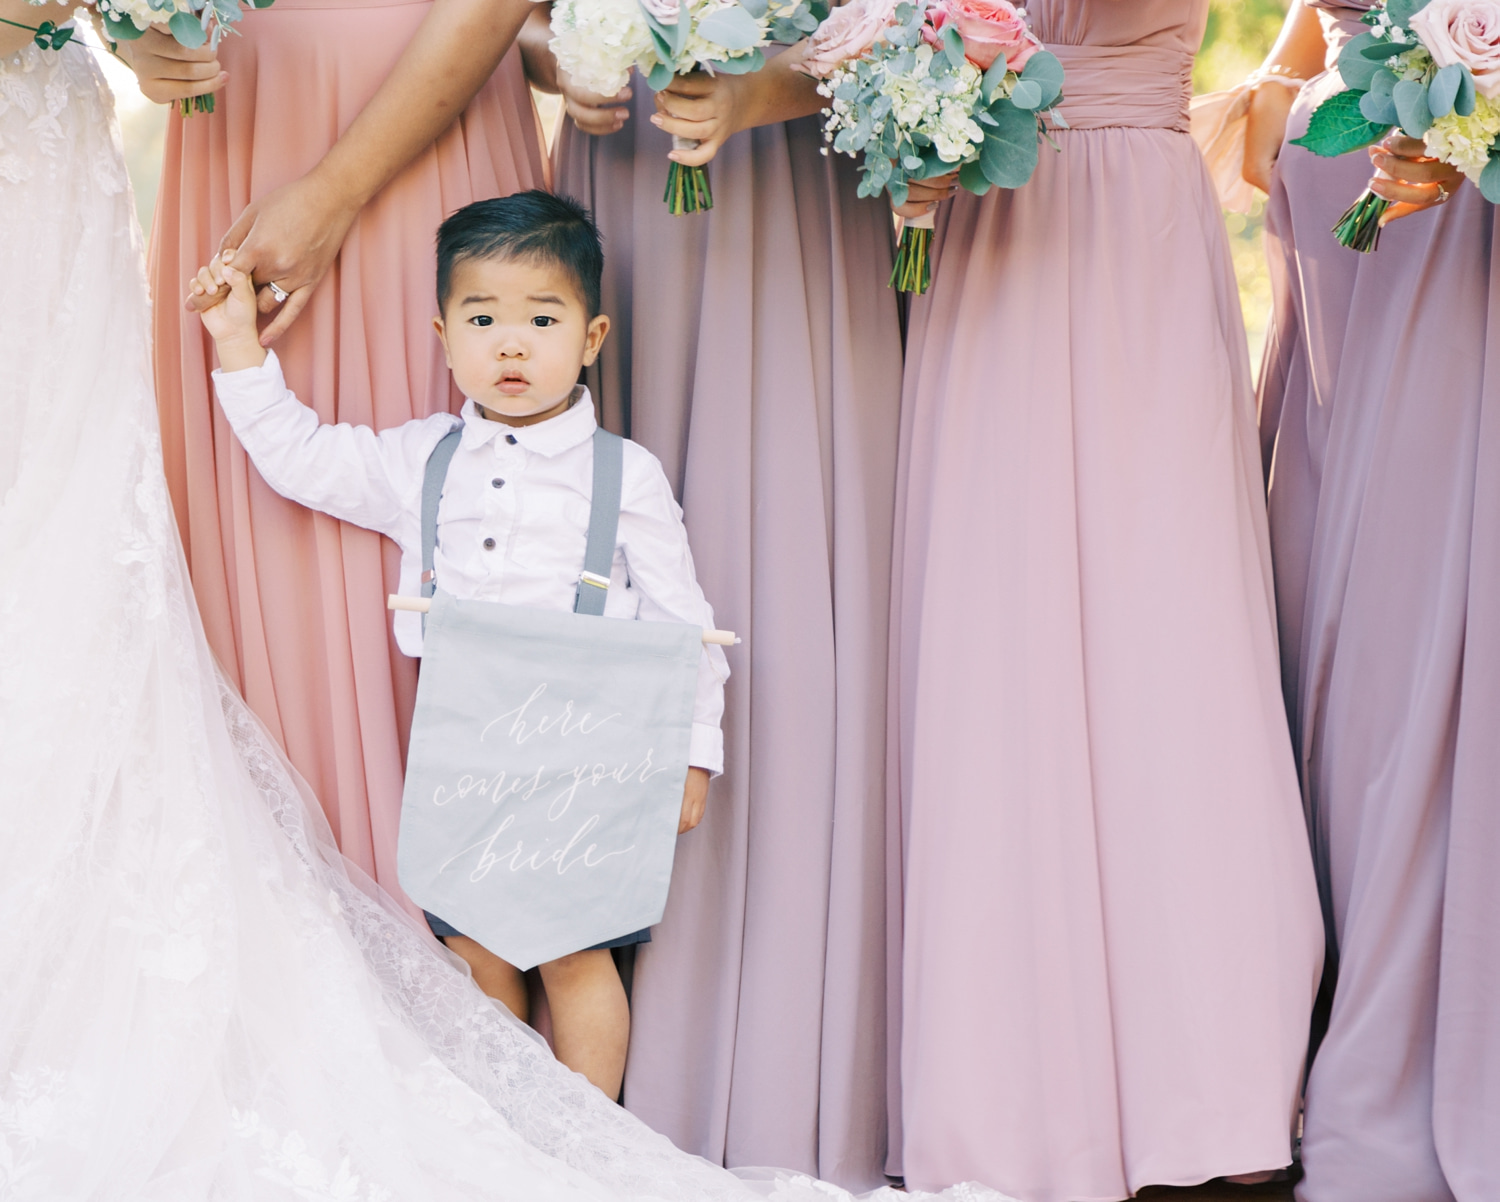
{"x": 544, "y": 783}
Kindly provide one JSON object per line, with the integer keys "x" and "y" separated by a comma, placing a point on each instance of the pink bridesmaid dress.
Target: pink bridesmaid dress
{"x": 1111, "y": 927}
{"x": 1383, "y": 409}
{"x": 757, "y": 351}
{"x": 294, "y": 601}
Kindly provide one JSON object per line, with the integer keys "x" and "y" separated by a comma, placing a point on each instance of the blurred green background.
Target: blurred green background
{"x": 1239, "y": 34}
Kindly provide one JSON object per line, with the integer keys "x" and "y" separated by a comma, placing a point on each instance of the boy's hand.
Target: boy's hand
{"x": 231, "y": 319}
{"x": 694, "y": 798}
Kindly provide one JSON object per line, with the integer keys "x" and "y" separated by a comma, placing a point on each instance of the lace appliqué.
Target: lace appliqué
{"x": 287, "y": 1161}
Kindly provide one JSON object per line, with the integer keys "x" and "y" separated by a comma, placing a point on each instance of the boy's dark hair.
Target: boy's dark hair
{"x": 533, "y": 225}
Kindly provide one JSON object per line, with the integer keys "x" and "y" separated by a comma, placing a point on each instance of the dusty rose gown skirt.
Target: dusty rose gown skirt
{"x": 1384, "y": 409}
{"x": 1112, "y": 939}
{"x": 757, "y": 351}
{"x": 293, "y": 601}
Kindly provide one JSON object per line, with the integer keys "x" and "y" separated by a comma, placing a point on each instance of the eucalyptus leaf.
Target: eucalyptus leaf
{"x": 745, "y": 64}
{"x": 188, "y": 30}
{"x": 1355, "y": 69}
{"x": 899, "y": 192}
{"x": 263, "y": 3}
{"x": 1402, "y": 11}
{"x": 659, "y": 76}
{"x": 953, "y": 45}
{"x": 1383, "y": 82}
{"x": 1382, "y": 51}
{"x": 1489, "y": 181}
{"x": 805, "y": 22}
{"x": 732, "y": 28}
{"x": 756, "y": 8}
{"x": 1009, "y": 154}
{"x": 994, "y": 75}
{"x": 911, "y": 162}
{"x": 1443, "y": 90}
{"x": 971, "y": 178}
{"x": 1410, "y": 96}
{"x": 121, "y": 31}
{"x": 1027, "y": 94}
{"x": 1338, "y": 126}
{"x": 1044, "y": 70}
{"x": 1463, "y": 103}
{"x": 1378, "y": 109}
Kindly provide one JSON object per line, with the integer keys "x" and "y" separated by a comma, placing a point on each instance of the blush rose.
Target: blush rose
{"x": 849, "y": 31}
{"x": 1467, "y": 32}
{"x": 990, "y": 29}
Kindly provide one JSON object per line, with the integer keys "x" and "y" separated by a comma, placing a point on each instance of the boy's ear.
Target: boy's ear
{"x": 442, "y": 333}
{"x": 598, "y": 331}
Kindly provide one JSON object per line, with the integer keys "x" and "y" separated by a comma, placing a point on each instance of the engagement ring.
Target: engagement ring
{"x": 278, "y": 292}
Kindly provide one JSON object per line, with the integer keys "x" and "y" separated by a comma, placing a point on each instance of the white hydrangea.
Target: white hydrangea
{"x": 1465, "y": 141}
{"x": 598, "y": 41}
{"x": 144, "y": 13}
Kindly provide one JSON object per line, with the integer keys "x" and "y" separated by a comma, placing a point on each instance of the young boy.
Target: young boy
{"x": 518, "y": 300}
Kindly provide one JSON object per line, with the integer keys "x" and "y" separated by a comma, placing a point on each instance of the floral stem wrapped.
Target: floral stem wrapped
{"x": 599, "y": 42}
{"x": 1430, "y": 68}
{"x": 921, "y": 88}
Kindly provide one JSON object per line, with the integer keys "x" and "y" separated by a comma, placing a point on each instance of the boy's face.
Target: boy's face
{"x": 517, "y": 334}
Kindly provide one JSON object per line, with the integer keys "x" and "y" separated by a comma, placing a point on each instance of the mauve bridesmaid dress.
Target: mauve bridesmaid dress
{"x": 757, "y": 351}
{"x": 1384, "y": 414}
{"x": 293, "y": 602}
{"x": 1111, "y": 929}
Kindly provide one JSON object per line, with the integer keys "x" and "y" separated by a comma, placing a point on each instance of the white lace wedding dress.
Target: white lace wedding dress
{"x": 198, "y": 998}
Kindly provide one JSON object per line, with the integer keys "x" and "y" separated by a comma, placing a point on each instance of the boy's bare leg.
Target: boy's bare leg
{"x": 499, "y": 980}
{"x": 590, "y": 1016}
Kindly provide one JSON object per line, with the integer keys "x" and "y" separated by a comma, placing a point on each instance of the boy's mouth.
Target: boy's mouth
{"x": 512, "y": 382}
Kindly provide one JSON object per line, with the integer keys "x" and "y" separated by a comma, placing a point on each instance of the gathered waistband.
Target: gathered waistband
{"x": 1132, "y": 87}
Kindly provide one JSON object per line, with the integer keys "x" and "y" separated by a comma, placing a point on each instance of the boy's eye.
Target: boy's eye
{"x": 483, "y": 319}
{"x": 543, "y": 321}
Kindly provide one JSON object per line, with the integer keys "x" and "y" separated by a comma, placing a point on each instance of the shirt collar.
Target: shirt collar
{"x": 572, "y": 427}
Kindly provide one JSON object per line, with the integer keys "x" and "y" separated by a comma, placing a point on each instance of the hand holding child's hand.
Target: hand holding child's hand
{"x": 694, "y": 798}
{"x": 231, "y": 317}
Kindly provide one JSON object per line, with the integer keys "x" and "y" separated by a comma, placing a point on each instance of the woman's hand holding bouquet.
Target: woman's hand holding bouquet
{"x": 599, "y": 42}
{"x": 921, "y": 88}
{"x": 1429, "y": 69}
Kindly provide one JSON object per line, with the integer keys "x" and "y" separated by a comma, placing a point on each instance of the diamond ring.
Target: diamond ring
{"x": 278, "y": 292}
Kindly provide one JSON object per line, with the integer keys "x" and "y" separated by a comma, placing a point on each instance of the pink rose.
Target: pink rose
{"x": 665, "y": 11}
{"x": 849, "y": 31}
{"x": 1467, "y": 32}
{"x": 990, "y": 28}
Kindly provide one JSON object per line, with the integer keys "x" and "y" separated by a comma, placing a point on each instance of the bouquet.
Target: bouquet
{"x": 599, "y": 42}
{"x": 1431, "y": 67}
{"x": 921, "y": 87}
{"x": 192, "y": 23}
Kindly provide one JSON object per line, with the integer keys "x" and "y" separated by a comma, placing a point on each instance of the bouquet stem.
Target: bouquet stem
{"x": 687, "y": 187}
{"x": 189, "y": 105}
{"x": 912, "y": 271}
{"x": 1359, "y": 227}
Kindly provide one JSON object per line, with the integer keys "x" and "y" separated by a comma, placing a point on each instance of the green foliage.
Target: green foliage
{"x": 1339, "y": 126}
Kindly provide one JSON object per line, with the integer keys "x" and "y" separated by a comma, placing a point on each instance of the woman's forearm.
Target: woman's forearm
{"x": 782, "y": 93}
{"x": 456, "y": 49}
{"x": 1300, "y": 48}
{"x": 541, "y": 67}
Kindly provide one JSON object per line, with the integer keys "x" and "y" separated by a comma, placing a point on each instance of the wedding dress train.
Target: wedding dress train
{"x": 198, "y": 998}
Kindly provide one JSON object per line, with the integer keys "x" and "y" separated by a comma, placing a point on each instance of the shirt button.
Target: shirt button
{"x": 489, "y": 544}
{"x": 497, "y": 483}
{"x": 511, "y": 438}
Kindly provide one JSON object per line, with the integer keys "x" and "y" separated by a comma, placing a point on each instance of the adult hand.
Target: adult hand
{"x": 591, "y": 112}
{"x": 167, "y": 70}
{"x": 289, "y": 237}
{"x": 924, "y": 195}
{"x": 702, "y": 108}
{"x": 1265, "y": 130}
{"x": 1410, "y": 176}
{"x": 694, "y": 799}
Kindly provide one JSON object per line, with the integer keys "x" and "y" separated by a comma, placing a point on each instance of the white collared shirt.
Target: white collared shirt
{"x": 514, "y": 517}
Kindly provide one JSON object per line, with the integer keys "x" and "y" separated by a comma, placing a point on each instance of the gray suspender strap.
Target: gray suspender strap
{"x": 432, "y": 493}
{"x": 604, "y": 522}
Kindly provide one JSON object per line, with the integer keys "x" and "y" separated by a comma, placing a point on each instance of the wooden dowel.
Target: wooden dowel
{"x": 420, "y": 605}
